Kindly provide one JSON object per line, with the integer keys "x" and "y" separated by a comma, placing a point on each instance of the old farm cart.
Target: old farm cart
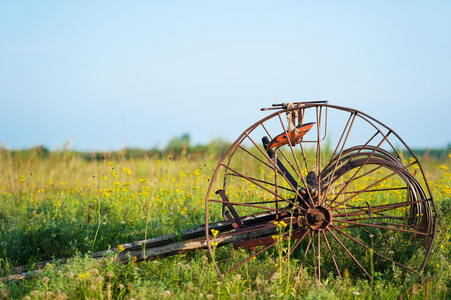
{"x": 313, "y": 188}
{"x": 335, "y": 189}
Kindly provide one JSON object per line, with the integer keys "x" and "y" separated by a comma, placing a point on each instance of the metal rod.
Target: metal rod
{"x": 283, "y": 174}
{"x": 349, "y": 253}
{"x": 350, "y": 123}
{"x": 371, "y": 185}
{"x": 375, "y": 252}
{"x": 384, "y": 227}
{"x": 372, "y": 153}
{"x": 331, "y": 253}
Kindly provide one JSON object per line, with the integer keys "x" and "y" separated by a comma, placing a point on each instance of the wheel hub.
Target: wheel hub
{"x": 318, "y": 218}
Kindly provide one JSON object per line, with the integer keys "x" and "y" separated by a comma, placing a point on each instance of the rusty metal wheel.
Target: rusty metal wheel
{"x": 320, "y": 189}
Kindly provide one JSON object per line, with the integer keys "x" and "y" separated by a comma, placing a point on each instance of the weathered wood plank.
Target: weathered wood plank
{"x": 171, "y": 244}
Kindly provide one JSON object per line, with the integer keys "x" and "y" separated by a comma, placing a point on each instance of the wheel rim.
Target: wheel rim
{"x": 350, "y": 197}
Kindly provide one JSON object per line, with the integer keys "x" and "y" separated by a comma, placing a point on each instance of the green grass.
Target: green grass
{"x": 65, "y": 204}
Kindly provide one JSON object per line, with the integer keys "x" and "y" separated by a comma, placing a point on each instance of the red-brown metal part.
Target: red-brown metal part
{"x": 282, "y": 139}
{"x": 230, "y": 213}
{"x": 318, "y": 218}
{"x": 351, "y": 184}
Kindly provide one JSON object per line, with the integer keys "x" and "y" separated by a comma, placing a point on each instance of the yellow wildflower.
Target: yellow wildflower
{"x": 346, "y": 273}
{"x": 214, "y": 232}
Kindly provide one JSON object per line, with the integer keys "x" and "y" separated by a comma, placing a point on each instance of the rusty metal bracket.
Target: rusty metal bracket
{"x": 368, "y": 212}
{"x": 229, "y": 212}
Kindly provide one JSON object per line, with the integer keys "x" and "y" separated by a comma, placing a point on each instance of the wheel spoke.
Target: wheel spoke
{"x": 384, "y": 227}
{"x": 346, "y": 130}
{"x": 376, "y": 209}
{"x": 383, "y": 223}
{"x": 375, "y": 252}
{"x": 266, "y": 130}
{"x": 284, "y": 175}
{"x": 305, "y": 255}
{"x": 370, "y": 186}
{"x": 349, "y": 253}
{"x": 319, "y": 255}
{"x": 264, "y": 182}
{"x": 258, "y": 159}
{"x": 379, "y": 131}
{"x": 298, "y": 242}
{"x": 376, "y": 190}
{"x": 282, "y": 170}
{"x": 304, "y": 181}
{"x": 250, "y": 257}
{"x": 247, "y": 205}
{"x": 299, "y": 170}
{"x": 318, "y": 151}
{"x": 360, "y": 168}
{"x": 266, "y": 189}
{"x": 331, "y": 253}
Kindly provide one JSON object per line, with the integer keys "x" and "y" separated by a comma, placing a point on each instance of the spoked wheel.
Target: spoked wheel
{"x": 320, "y": 189}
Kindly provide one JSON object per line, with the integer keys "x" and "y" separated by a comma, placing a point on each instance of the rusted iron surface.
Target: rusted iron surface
{"x": 340, "y": 195}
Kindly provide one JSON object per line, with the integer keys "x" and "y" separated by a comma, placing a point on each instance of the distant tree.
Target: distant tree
{"x": 180, "y": 144}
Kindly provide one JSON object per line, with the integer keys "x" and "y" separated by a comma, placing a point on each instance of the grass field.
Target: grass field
{"x": 67, "y": 204}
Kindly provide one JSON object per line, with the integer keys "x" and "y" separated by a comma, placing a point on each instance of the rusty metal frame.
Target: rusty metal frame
{"x": 344, "y": 158}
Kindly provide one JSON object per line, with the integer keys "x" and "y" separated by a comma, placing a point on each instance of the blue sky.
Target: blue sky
{"x": 113, "y": 74}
